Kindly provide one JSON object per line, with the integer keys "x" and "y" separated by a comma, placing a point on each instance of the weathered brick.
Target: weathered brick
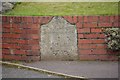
{"x": 25, "y": 36}
{"x": 7, "y": 46}
{"x": 13, "y": 41}
{"x": 34, "y": 52}
{"x": 6, "y": 40}
{"x": 94, "y": 36}
{"x": 69, "y": 19}
{"x": 13, "y": 57}
{"x": 88, "y": 57}
{"x": 24, "y": 19}
{"x": 87, "y": 46}
{"x": 25, "y": 47}
{"x": 33, "y": 41}
{"x": 35, "y": 26}
{"x": 96, "y": 30}
{"x": 5, "y": 51}
{"x": 30, "y": 31}
{"x": 22, "y": 41}
{"x": 110, "y": 52}
{"x": 44, "y": 20}
{"x": 4, "y": 18}
{"x": 65, "y": 17}
{"x": 27, "y": 19}
{"x": 101, "y": 46}
{"x": 6, "y": 35}
{"x": 108, "y": 58}
{"x": 104, "y": 19}
{"x": 75, "y": 19}
{"x": 116, "y": 19}
{"x": 80, "y": 36}
{"x": 116, "y": 24}
{"x": 82, "y": 41}
{"x": 30, "y": 19}
{"x": 33, "y": 36}
{"x": 36, "y": 20}
{"x": 84, "y": 30}
{"x": 5, "y": 25}
{"x": 105, "y": 25}
{"x": 86, "y": 19}
{"x": 20, "y": 52}
{"x": 0, "y": 27}
{"x": 17, "y": 19}
{"x": 79, "y": 25}
{"x": 85, "y": 51}
{"x": 25, "y": 26}
{"x": 16, "y": 26}
{"x": 91, "y": 36}
{"x": 102, "y": 36}
{"x": 98, "y": 41}
{"x": 93, "y": 18}
{"x": 90, "y": 18}
{"x": 6, "y": 30}
{"x": 90, "y": 25}
{"x": 80, "y": 18}
{"x": 112, "y": 19}
{"x": 99, "y": 51}
{"x": 35, "y": 47}
{"x": 15, "y": 36}
{"x": 17, "y": 31}
{"x": 98, "y": 57}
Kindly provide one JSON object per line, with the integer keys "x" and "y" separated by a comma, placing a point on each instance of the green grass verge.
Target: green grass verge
{"x": 64, "y": 8}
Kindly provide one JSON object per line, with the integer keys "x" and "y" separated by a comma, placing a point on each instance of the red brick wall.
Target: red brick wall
{"x": 21, "y": 36}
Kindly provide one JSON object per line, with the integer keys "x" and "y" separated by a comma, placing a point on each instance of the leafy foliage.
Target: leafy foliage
{"x": 113, "y": 38}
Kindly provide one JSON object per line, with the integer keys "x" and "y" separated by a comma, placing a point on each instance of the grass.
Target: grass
{"x": 68, "y": 8}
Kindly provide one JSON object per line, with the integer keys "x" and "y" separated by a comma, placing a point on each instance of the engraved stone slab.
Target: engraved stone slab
{"x": 58, "y": 40}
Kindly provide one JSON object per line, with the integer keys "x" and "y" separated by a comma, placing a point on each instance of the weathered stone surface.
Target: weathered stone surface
{"x": 0, "y": 7}
{"x": 12, "y": 2}
{"x": 58, "y": 40}
{"x": 5, "y": 6}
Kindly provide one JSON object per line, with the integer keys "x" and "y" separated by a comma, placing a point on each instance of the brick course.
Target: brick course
{"x": 21, "y": 36}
